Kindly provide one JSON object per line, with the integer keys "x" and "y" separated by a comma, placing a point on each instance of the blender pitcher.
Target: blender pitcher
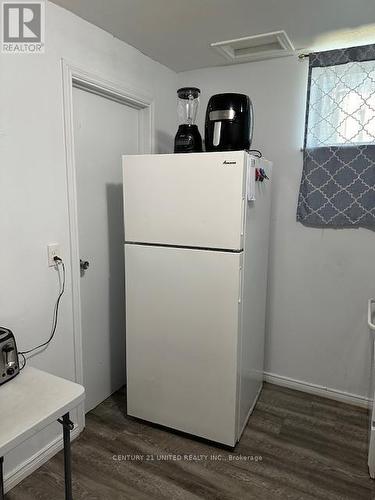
{"x": 188, "y": 138}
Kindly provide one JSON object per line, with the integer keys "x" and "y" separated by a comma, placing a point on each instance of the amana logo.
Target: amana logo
{"x": 225, "y": 162}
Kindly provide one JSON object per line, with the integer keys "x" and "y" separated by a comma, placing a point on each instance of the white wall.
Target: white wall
{"x": 33, "y": 193}
{"x": 320, "y": 279}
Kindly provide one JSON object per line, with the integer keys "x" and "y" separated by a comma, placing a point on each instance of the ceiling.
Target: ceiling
{"x": 178, "y": 33}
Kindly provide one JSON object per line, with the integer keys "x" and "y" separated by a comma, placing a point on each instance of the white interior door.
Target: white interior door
{"x": 103, "y": 131}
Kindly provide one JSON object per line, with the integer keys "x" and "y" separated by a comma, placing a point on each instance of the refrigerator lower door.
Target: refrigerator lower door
{"x": 182, "y": 320}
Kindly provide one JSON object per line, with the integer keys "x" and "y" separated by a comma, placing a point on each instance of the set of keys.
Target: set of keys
{"x": 260, "y": 175}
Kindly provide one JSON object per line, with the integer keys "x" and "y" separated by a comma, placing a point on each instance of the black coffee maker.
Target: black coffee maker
{"x": 229, "y": 122}
{"x": 188, "y": 139}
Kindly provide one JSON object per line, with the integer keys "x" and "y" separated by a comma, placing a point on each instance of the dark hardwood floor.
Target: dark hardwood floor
{"x": 310, "y": 448}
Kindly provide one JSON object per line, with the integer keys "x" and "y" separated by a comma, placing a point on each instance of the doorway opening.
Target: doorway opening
{"x": 103, "y": 120}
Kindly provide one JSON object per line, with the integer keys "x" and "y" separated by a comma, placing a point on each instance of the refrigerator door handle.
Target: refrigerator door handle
{"x": 240, "y": 286}
{"x": 243, "y": 217}
{"x": 369, "y": 314}
{"x": 250, "y": 180}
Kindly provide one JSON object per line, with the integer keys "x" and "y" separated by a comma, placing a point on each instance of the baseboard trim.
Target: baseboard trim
{"x": 318, "y": 390}
{"x": 37, "y": 460}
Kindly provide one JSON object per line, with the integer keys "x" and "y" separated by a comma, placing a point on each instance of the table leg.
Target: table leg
{"x": 2, "y": 494}
{"x": 67, "y": 427}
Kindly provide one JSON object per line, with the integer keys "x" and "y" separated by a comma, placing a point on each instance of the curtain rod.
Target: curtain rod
{"x": 303, "y": 56}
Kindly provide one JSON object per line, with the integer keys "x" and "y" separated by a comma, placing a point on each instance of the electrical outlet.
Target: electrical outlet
{"x": 53, "y": 250}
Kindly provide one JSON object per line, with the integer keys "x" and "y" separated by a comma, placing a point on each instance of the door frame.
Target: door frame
{"x": 75, "y": 76}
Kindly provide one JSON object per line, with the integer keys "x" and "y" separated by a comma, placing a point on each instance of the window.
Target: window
{"x": 338, "y": 178}
{"x": 342, "y": 105}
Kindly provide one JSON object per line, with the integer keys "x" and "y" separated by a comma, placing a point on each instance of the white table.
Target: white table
{"x": 29, "y": 403}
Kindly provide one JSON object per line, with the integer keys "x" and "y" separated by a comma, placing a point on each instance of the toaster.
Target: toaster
{"x": 9, "y": 366}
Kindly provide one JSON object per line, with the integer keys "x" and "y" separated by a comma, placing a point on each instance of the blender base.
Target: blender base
{"x": 188, "y": 139}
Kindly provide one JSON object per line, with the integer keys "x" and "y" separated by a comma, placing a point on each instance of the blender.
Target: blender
{"x": 188, "y": 138}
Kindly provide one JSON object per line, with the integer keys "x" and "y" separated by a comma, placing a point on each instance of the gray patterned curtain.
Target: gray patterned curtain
{"x": 338, "y": 179}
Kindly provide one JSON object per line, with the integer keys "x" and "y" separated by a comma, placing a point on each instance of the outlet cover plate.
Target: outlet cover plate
{"x": 53, "y": 250}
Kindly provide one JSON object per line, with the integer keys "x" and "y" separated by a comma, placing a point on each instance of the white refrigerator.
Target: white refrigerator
{"x": 196, "y": 253}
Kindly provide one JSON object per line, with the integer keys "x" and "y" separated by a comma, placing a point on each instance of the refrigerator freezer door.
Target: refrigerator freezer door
{"x": 193, "y": 200}
{"x": 182, "y": 332}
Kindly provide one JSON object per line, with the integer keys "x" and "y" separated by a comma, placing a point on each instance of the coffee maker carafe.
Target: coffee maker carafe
{"x": 188, "y": 139}
{"x": 229, "y": 122}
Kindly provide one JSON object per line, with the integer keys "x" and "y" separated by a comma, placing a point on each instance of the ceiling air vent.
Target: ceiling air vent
{"x": 256, "y": 48}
